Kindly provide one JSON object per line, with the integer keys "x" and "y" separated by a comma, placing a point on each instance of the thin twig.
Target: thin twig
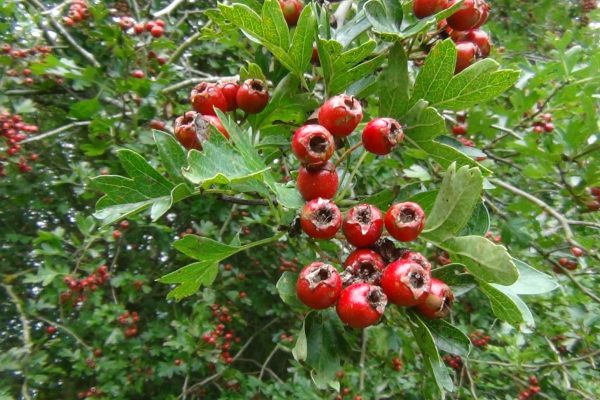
{"x": 347, "y": 153}
{"x": 561, "y": 364}
{"x": 247, "y": 202}
{"x": 168, "y": 9}
{"x": 56, "y": 131}
{"x": 262, "y": 368}
{"x": 471, "y": 382}
{"x": 27, "y": 343}
{"x": 537, "y": 366}
{"x": 65, "y": 329}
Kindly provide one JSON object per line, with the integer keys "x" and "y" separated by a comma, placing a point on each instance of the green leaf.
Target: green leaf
{"x": 204, "y": 249}
{"x": 531, "y": 281}
{"x": 479, "y": 223}
{"x": 352, "y": 28}
{"x": 485, "y": 260}
{"x": 431, "y": 358}
{"x": 436, "y": 73}
{"x": 190, "y": 278}
{"x": 286, "y": 287}
{"x": 393, "y": 84}
{"x": 300, "y": 350}
{"x": 85, "y": 109}
{"x": 274, "y": 27}
{"x": 172, "y": 154}
{"x": 252, "y": 71}
{"x": 304, "y": 37}
{"x": 459, "y": 193}
{"x": 454, "y": 276}
{"x": 288, "y": 196}
{"x": 449, "y": 338}
{"x": 506, "y": 305}
{"x": 385, "y": 17}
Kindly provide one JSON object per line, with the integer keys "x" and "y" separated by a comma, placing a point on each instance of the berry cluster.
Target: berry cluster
{"x": 156, "y": 28}
{"x": 566, "y": 263}
{"x": 78, "y": 12}
{"x": 463, "y": 27}
{"x": 91, "y": 392}
{"x": 192, "y": 128}
{"x": 479, "y": 339}
{"x": 532, "y": 390}
{"x": 78, "y": 287}
{"x": 129, "y": 323}
{"x": 594, "y": 204}
{"x": 543, "y": 124}
{"x": 397, "y": 364}
{"x": 496, "y": 238}
{"x": 455, "y": 362}
{"x": 21, "y": 61}
{"x": 220, "y": 338}
{"x": 13, "y": 130}
{"x": 288, "y": 265}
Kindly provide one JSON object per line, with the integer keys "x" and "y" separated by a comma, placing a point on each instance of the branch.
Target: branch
{"x": 24, "y": 321}
{"x": 247, "y": 202}
{"x": 264, "y": 366}
{"x": 56, "y": 131}
{"x": 64, "y": 328}
{"x": 168, "y": 9}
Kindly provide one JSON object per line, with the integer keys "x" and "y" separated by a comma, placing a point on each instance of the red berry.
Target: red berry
{"x": 160, "y": 22}
{"x": 252, "y": 96}
{"x": 313, "y": 145}
{"x": 465, "y": 56}
{"x": 459, "y": 130}
{"x": 51, "y": 330}
{"x": 548, "y": 127}
{"x": 593, "y": 205}
{"x": 340, "y": 115}
{"x": 425, "y": 8}
{"x": 438, "y": 302}
{"x": 416, "y": 257}
{"x": 319, "y": 285}
{"x": 321, "y": 219}
{"x": 185, "y": 130}
{"x": 595, "y": 191}
{"x": 291, "y": 10}
{"x": 138, "y": 28}
{"x": 116, "y": 234}
{"x": 157, "y": 31}
{"x": 230, "y": 90}
{"x": 363, "y": 225}
{"x": 138, "y": 74}
{"x": 405, "y": 221}
{"x": 149, "y": 25}
{"x": 361, "y": 305}
{"x": 6, "y": 48}
{"x": 126, "y": 23}
{"x": 363, "y": 266}
{"x": 158, "y": 124}
{"x": 471, "y": 14}
{"x": 406, "y": 283}
{"x": 481, "y": 39}
{"x": 576, "y": 251}
{"x": 26, "y": 72}
{"x": 533, "y": 380}
{"x": 381, "y": 135}
{"x": 205, "y": 97}
{"x": 178, "y": 362}
{"x": 216, "y": 122}
{"x": 318, "y": 182}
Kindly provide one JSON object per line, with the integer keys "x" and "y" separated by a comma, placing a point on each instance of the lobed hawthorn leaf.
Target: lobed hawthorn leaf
{"x": 205, "y": 249}
{"x": 385, "y": 17}
{"x": 190, "y": 278}
{"x": 172, "y": 154}
{"x": 274, "y": 27}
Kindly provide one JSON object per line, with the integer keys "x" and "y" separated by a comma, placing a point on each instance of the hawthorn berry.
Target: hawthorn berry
{"x": 405, "y": 221}
{"x": 363, "y": 266}
{"x": 51, "y": 330}
{"x": 291, "y": 10}
{"x": 548, "y": 127}
{"x": 361, "y": 305}
{"x": 186, "y": 130}
{"x": 252, "y": 96}
{"x": 157, "y": 31}
{"x": 363, "y": 225}
{"x": 593, "y": 205}
{"x": 125, "y": 23}
{"x": 320, "y": 218}
{"x": 438, "y": 302}
{"x": 576, "y": 251}
{"x": 138, "y": 74}
{"x": 465, "y": 56}
{"x": 319, "y": 285}
{"x": 205, "y": 97}
{"x": 459, "y": 129}
{"x": 138, "y": 28}
{"x": 406, "y": 283}
{"x": 381, "y": 135}
{"x": 116, "y": 234}
{"x": 230, "y": 90}
{"x": 313, "y": 145}
{"x": 425, "y": 8}
{"x": 481, "y": 39}
{"x": 340, "y": 114}
{"x": 471, "y": 14}
{"x": 416, "y": 257}
{"x": 316, "y": 182}
{"x": 158, "y": 124}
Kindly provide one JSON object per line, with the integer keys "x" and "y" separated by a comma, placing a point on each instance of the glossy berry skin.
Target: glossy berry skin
{"x": 406, "y": 283}
{"x": 138, "y": 74}
{"x": 381, "y": 135}
{"x": 576, "y": 251}
{"x": 363, "y": 266}
{"x": 318, "y": 182}
{"x": 481, "y": 39}
{"x": 319, "y": 285}
{"x": 185, "y": 130}
{"x": 548, "y": 127}
{"x": 51, "y": 330}
{"x": 363, "y": 225}
{"x": 230, "y": 90}
{"x": 438, "y": 302}
{"x": 405, "y": 221}
{"x": 466, "y": 55}
{"x": 320, "y": 219}
{"x": 425, "y": 8}
{"x": 291, "y": 10}
{"x": 470, "y": 15}
{"x": 361, "y": 305}
{"x": 252, "y": 96}
{"x": 459, "y": 130}
{"x": 157, "y": 31}
{"x": 340, "y": 115}
{"x": 418, "y": 258}
{"x": 205, "y": 97}
{"x": 216, "y": 122}
{"x": 313, "y": 145}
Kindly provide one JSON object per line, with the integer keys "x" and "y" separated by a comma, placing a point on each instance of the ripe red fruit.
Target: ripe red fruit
{"x": 576, "y": 251}
{"x": 318, "y": 182}
{"x": 593, "y": 205}
{"x": 405, "y": 221}
{"x": 138, "y": 28}
{"x": 406, "y": 283}
{"x": 205, "y": 97}
{"x": 381, "y": 135}
{"x": 361, "y": 305}
{"x": 459, "y": 129}
{"x": 126, "y": 23}
{"x": 158, "y": 124}
{"x": 340, "y": 114}
{"x": 416, "y": 257}
{"x": 439, "y": 301}
{"x": 291, "y": 10}
{"x": 425, "y": 8}
{"x": 252, "y": 96}
{"x": 595, "y": 191}
{"x": 230, "y": 90}
{"x": 138, "y": 74}
{"x": 313, "y": 145}
{"x": 186, "y": 130}
{"x": 471, "y": 14}
{"x": 26, "y": 72}
{"x": 466, "y": 54}
{"x": 157, "y": 31}
{"x": 116, "y": 234}
{"x": 481, "y": 39}
{"x": 160, "y": 22}
{"x": 548, "y": 127}
{"x": 363, "y": 266}
{"x": 68, "y": 21}
{"x": 319, "y": 285}
{"x": 363, "y": 225}
{"x": 216, "y": 122}
{"x": 149, "y": 25}
{"x": 320, "y": 218}
{"x": 51, "y": 330}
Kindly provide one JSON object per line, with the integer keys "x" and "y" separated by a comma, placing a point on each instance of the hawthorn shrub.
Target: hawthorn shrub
{"x": 287, "y": 199}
